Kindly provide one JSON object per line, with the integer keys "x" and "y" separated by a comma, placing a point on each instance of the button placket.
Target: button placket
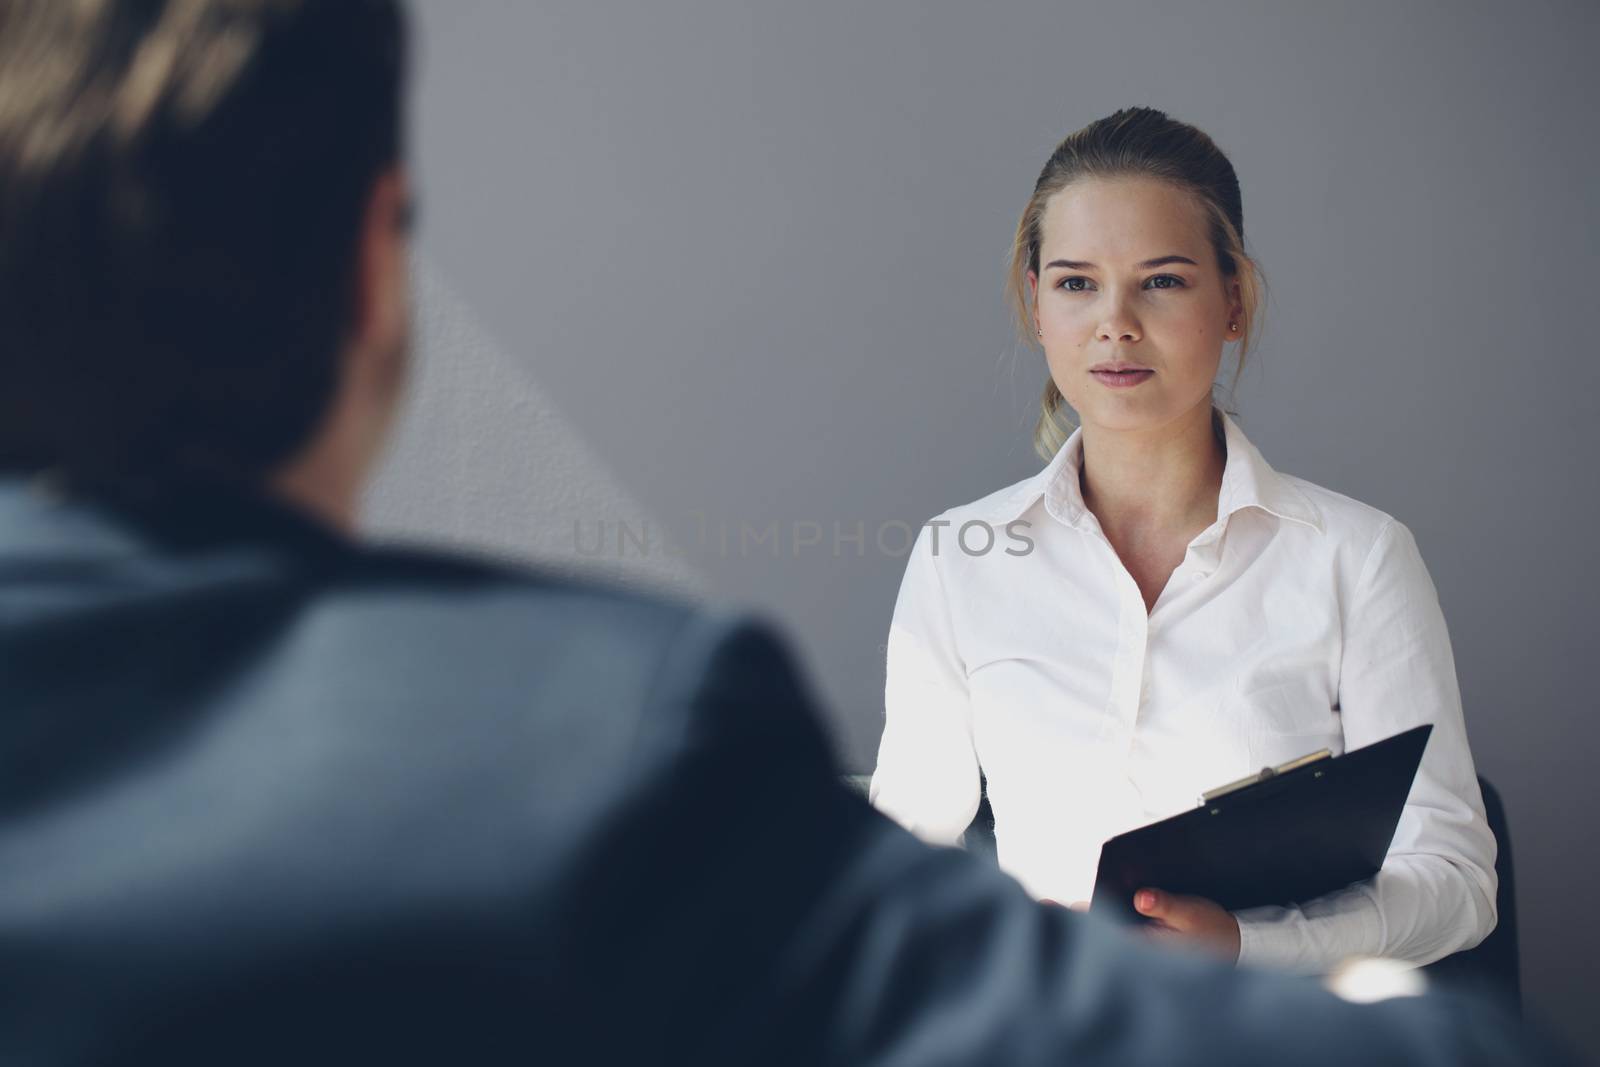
{"x": 1127, "y": 672}
{"x": 1143, "y": 693}
{"x": 1132, "y": 643}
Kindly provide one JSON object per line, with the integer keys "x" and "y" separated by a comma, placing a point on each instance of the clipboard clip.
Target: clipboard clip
{"x": 1263, "y": 774}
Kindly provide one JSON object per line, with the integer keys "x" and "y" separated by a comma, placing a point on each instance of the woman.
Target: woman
{"x": 1158, "y": 611}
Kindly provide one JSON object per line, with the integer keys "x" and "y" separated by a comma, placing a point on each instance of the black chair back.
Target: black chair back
{"x": 1495, "y": 962}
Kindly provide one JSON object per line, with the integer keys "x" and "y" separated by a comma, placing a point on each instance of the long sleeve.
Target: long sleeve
{"x": 927, "y": 776}
{"x": 1435, "y": 893}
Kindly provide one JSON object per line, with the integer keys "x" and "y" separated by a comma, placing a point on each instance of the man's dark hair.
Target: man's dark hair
{"x": 181, "y": 190}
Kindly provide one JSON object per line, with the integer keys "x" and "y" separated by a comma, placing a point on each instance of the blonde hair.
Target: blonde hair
{"x": 1135, "y": 142}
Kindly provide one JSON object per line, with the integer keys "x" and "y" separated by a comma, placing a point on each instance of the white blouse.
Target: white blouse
{"x": 1301, "y": 619}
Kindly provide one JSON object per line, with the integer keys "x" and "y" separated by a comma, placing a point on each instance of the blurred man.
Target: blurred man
{"x": 270, "y": 795}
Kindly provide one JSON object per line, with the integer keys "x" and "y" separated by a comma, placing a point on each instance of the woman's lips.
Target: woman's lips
{"x": 1122, "y": 379}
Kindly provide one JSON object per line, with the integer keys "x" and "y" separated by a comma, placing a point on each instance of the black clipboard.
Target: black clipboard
{"x": 1284, "y": 838}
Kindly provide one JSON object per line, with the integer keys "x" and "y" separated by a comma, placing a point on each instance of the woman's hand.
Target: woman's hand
{"x": 1194, "y": 920}
{"x": 1189, "y": 920}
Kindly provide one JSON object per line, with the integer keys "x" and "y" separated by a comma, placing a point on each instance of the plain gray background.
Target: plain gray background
{"x": 718, "y": 266}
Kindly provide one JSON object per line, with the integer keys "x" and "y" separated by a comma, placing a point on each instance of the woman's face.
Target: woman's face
{"x": 1127, "y": 275}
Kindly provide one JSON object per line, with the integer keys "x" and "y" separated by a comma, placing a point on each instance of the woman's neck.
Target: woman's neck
{"x": 1165, "y": 479}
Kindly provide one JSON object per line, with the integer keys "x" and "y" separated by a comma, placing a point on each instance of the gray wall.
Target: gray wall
{"x": 741, "y": 264}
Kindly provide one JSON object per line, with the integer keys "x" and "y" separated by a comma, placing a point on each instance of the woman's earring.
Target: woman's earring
{"x": 1233, "y": 327}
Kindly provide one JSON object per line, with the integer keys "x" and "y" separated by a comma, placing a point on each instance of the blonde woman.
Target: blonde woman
{"x": 1158, "y": 610}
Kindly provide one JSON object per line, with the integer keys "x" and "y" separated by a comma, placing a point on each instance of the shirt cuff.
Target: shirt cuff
{"x": 1312, "y": 939}
{"x": 1255, "y": 937}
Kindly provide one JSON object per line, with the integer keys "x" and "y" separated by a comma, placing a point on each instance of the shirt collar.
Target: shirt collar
{"x": 42, "y": 513}
{"x": 1247, "y": 481}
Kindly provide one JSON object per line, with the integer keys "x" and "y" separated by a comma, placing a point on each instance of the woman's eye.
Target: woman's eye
{"x": 1077, "y": 283}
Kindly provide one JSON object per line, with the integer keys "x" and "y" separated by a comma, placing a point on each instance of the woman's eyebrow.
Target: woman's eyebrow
{"x": 1159, "y": 261}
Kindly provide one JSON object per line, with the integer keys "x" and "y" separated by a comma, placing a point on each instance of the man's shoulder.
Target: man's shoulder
{"x": 475, "y": 586}
{"x": 546, "y": 626}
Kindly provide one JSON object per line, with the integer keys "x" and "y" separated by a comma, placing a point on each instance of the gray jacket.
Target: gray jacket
{"x": 268, "y": 795}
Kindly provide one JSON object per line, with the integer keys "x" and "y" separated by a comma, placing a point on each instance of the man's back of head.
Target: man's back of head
{"x": 183, "y": 193}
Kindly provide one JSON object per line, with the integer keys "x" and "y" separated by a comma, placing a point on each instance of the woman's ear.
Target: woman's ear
{"x": 1033, "y": 298}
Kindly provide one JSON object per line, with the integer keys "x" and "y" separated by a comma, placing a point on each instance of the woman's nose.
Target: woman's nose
{"x": 1118, "y": 325}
